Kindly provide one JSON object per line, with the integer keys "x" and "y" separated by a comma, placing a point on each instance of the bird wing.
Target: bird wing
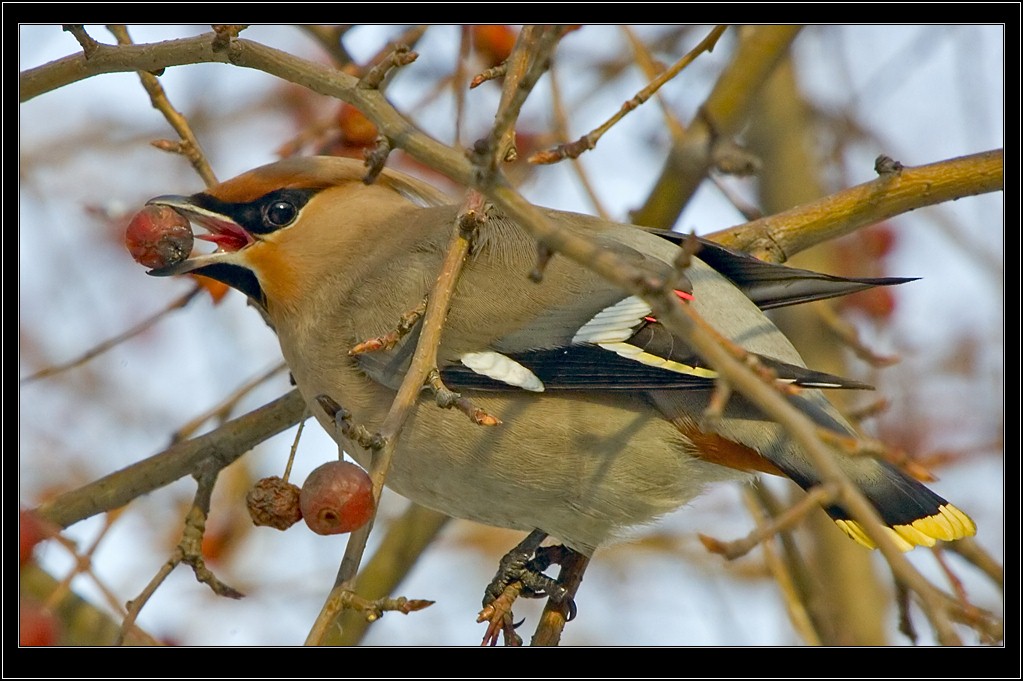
{"x": 770, "y": 285}
{"x": 575, "y": 331}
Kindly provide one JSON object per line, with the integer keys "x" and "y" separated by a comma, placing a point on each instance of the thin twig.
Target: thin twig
{"x": 458, "y": 79}
{"x": 491, "y": 73}
{"x": 219, "y": 447}
{"x": 115, "y": 341}
{"x": 221, "y": 411}
{"x": 294, "y": 447}
{"x": 188, "y": 550}
{"x": 449, "y": 399}
{"x": 189, "y": 146}
{"x": 721, "y": 115}
{"x": 528, "y": 61}
{"x": 777, "y": 237}
{"x": 83, "y": 565}
{"x": 590, "y": 139}
{"x": 970, "y": 550}
{"x": 88, "y": 43}
{"x": 651, "y": 68}
{"x": 135, "y": 606}
{"x": 792, "y": 516}
{"x": 406, "y": 539}
{"x": 423, "y": 361}
{"x": 405, "y": 324}
{"x": 407, "y": 40}
{"x": 400, "y": 56}
{"x": 329, "y": 38}
{"x": 865, "y": 446}
{"x": 849, "y": 335}
{"x": 780, "y": 569}
{"x": 561, "y": 130}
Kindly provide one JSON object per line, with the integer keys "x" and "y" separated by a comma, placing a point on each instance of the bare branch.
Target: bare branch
{"x": 423, "y": 361}
{"x": 766, "y": 529}
{"x": 759, "y": 50}
{"x": 780, "y": 236}
{"x": 189, "y": 146}
{"x": 115, "y": 341}
{"x": 590, "y": 139}
{"x": 217, "y": 448}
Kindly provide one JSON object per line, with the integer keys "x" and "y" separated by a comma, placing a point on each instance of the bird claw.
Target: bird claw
{"x": 521, "y": 573}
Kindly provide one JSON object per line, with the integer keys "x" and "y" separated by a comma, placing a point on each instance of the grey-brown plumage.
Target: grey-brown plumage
{"x": 335, "y": 262}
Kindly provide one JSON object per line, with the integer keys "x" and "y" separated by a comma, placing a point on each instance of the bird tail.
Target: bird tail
{"x": 913, "y": 514}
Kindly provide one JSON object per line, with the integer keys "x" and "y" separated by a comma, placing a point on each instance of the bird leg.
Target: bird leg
{"x": 520, "y": 573}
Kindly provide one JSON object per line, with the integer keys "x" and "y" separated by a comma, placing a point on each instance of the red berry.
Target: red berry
{"x": 878, "y": 303}
{"x": 158, "y": 236}
{"x": 274, "y": 503}
{"x": 358, "y": 130}
{"x": 31, "y": 530}
{"x": 879, "y": 240}
{"x": 336, "y": 498}
{"x": 37, "y": 626}
{"x": 494, "y": 42}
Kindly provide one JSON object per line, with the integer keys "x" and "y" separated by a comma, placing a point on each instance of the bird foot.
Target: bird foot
{"x": 521, "y": 573}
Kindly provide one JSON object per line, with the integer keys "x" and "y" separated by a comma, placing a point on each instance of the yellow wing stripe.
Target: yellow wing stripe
{"x": 637, "y": 354}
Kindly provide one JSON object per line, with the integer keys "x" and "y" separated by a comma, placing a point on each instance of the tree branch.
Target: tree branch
{"x": 218, "y": 448}
{"x": 721, "y": 115}
{"x": 780, "y": 236}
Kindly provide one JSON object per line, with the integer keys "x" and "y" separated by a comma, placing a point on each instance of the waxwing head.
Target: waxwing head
{"x": 272, "y": 225}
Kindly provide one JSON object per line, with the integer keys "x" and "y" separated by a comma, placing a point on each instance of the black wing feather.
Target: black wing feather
{"x": 589, "y": 367}
{"x": 771, "y": 285}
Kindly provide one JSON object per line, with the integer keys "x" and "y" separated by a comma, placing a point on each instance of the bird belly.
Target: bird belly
{"x": 575, "y": 466}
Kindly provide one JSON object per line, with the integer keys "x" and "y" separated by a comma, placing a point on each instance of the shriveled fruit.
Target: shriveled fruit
{"x": 336, "y": 498}
{"x": 159, "y": 236}
{"x": 274, "y": 503}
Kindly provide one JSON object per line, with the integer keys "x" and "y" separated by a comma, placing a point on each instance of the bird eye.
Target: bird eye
{"x": 280, "y": 214}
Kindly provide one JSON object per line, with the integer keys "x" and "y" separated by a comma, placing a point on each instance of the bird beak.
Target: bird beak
{"x": 227, "y": 234}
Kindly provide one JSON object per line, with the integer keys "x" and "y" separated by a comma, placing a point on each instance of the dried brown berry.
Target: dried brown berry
{"x": 274, "y": 503}
{"x": 336, "y": 498}
{"x": 158, "y": 236}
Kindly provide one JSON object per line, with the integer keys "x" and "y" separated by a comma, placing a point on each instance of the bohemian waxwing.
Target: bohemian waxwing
{"x": 601, "y": 405}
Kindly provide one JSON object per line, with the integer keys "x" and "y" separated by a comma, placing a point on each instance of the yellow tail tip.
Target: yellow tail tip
{"x": 948, "y": 524}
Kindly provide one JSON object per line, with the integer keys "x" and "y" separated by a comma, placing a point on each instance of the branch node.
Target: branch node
{"x": 88, "y": 43}
{"x": 886, "y": 165}
{"x": 490, "y": 74}
{"x": 376, "y": 158}
{"x": 224, "y": 34}
{"x": 343, "y": 422}
{"x": 562, "y": 151}
{"x": 731, "y": 159}
{"x": 400, "y": 56}
{"x": 449, "y": 399}
{"x": 406, "y": 323}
